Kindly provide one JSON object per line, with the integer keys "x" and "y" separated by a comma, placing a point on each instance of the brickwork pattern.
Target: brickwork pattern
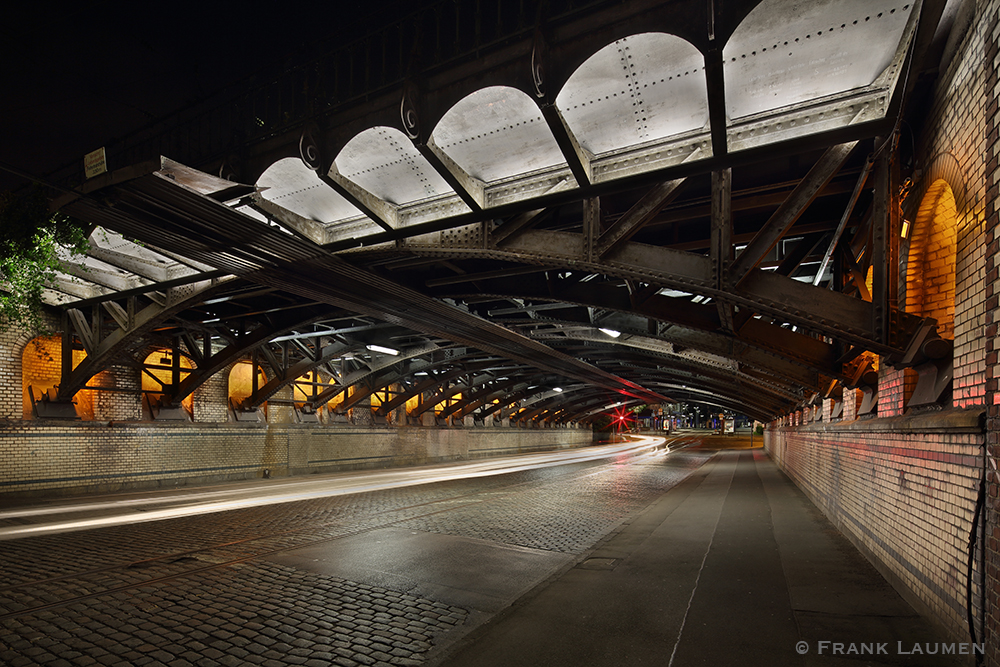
{"x": 953, "y": 150}
{"x": 81, "y": 457}
{"x": 907, "y": 499}
{"x": 123, "y": 405}
{"x": 12, "y": 343}
{"x": 930, "y": 268}
{"x": 892, "y": 394}
{"x": 991, "y": 44}
{"x": 211, "y": 400}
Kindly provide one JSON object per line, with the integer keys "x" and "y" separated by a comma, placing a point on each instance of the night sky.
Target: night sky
{"x": 78, "y": 75}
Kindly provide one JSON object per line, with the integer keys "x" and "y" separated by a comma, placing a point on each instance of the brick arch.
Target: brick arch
{"x": 152, "y": 355}
{"x": 12, "y": 388}
{"x": 239, "y": 377}
{"x": 946, "y": 167}
{"x": 930, "y": 265}
{"x": 41, "y": 366}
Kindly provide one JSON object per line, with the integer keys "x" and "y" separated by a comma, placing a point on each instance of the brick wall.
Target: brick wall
{"x": 904, "y": 486}
{"x": 82, "y": 457}
{"x": 210, "y": 400}
{"x": 12, "y": 344}
{"x": 903, "y": 490}
{"x": 952, "y": 154}
{"x": 991, "y": 46}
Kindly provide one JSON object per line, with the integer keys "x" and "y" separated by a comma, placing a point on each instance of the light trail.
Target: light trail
{"x": 159, "y": 505}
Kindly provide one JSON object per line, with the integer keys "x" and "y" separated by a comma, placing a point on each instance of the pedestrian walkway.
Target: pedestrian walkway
{"x": 732, "y": 567}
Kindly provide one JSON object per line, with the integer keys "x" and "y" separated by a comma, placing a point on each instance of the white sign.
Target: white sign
{"x": 94, "y": 163}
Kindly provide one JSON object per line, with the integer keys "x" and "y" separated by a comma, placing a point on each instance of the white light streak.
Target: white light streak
{"x": 78, "y": 515}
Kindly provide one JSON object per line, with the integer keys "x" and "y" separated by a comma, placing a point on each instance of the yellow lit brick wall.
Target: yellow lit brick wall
{"x": 41, "y": 363}
{"x": 930, "y": 268}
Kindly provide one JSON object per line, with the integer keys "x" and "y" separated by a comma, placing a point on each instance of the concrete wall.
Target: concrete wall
{"x": 75, "y": 457}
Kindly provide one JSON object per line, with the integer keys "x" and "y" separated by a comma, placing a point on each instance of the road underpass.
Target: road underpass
{"x": 664, "y": 553}
{"x": 468, "y": 231}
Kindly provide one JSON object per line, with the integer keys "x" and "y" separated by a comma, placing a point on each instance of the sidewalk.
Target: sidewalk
{"x": 735, "y": 566}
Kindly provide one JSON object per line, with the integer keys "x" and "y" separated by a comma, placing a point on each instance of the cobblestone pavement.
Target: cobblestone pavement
{"x": 197, "y": 591}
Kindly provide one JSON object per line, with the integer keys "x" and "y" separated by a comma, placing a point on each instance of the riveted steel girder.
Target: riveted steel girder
{"x": 242, "y": 346}
{"x": 467, "y": 363}
{"x": 772, "y": 339}
{"x": 823, "y": 311}
{"x": 132, "y": 326}
{"x": 152, "y": 206}
{"x": 281, "y": 377}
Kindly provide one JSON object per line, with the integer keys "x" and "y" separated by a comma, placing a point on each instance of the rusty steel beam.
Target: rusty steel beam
{"x": 576, "y": 156}
{"x": 638, "y": 216}
{"x": 790, "y": 210}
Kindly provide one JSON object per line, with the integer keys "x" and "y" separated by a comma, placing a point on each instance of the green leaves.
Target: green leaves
{"x": 30, "y": 241}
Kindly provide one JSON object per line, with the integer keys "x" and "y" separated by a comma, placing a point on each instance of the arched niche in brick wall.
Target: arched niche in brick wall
{"x": 41, "y": 362}
{"x": 157, "y": 372}
{"x": 930, "y": 259}
{"x": 241, "y": 382}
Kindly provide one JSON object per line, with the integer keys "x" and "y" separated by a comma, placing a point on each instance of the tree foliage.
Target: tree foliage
{"x": 30, "y": 242}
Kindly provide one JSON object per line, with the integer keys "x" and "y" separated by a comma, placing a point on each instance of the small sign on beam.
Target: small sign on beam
{"x": 94, "y": 163}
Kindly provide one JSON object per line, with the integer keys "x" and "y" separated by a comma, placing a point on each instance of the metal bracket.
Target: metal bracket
{"x": 47, "y": 407}
{"x": 933, "y": 381}
{"x": 869, "y": 400}
{"x": 306, "y": 414}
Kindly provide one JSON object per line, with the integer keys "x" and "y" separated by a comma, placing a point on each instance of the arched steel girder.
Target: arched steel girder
{"x": 485, "y": 394}
{"x": 154, "y": 207}
{"x": 720, "y": 384}
{"x": 552, "y": 402}
{"x": 530, "y": 396}
{"x": 447, "y": 391}
{"x": 469, "y": 361}
{"x": 588, "y": 412}
{"x": 281, "y": 378}
{"x": 653, "y": 362}
{"x": 742, "y": 403}
{"x": 637, "y": 329}
{"x": 707, "y": 398}
{"x": 380, "y": 367}
{"x": 132, "y": 326}
{"x": 814, "y": 309}
{"x": 769, "y": 339}
{"x": 541, "y": 400}
{"x": 520, "y": 391}
{"x": 590, "y": 344}
{"x": 378, "y": 382}
{"x": 244, "y": 345}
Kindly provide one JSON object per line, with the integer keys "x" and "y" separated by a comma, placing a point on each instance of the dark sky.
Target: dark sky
{"x": 78, "y": 75}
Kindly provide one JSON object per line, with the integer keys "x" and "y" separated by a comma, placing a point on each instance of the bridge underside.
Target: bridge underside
{"x": 611, "y": 208}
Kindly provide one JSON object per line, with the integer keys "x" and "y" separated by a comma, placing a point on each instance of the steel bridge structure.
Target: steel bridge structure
{"x": 545, "y": 210}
